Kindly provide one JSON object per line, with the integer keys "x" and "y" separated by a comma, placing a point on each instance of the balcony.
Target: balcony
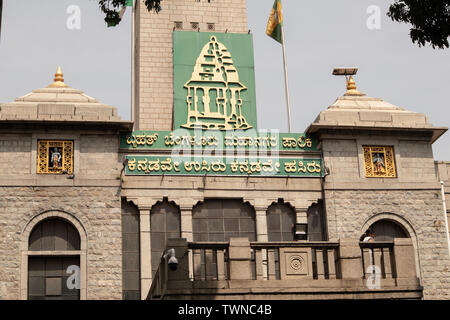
{"x": 240, "y": 269}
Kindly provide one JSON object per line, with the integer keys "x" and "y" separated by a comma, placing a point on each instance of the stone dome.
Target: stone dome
{"x": 59, "y": 102}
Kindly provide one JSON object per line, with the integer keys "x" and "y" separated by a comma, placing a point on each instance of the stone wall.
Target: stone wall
{"x": 420, "y": 211}
{"x": 97, "y": 153}
{"x": 414, "y": 161}
{"x": 96, "y": 208}
{"x": 95, "y": 157}
{"x": 91, "y": 197}
{"x": 15, "y": 153}
{"x": 154, "y": 66}
{"x": 413, "y": 199}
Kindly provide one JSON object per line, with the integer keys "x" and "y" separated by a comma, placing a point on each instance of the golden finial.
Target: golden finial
{"x": 351, "y": 87}
{"x": 58, "y": 81}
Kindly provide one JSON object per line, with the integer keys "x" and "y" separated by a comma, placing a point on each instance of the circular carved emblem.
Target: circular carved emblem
{"x": 296, "y": 262}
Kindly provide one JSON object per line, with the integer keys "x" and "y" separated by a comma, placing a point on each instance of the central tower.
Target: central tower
{"x": 153, "y": 64}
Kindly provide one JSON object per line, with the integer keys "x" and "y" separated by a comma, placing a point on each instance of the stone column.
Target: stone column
{"x": 240, "y": 259}
{"x": 261, "y": 224}
{"x": 301, "y": 208}
{"x": 186, "y": 223}
{"x": 350, "y": 259}
{"x": 301, "y": 215}
{"x": 146, "y": 252}
{"x": 261, "y": 205}
{"x": 262, "y": 235}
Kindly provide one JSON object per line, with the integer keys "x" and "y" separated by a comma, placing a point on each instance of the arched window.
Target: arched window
{"x": 165, "y": 223}
{"x": 131, "y": 281}
{"x": 54, "y": 261}
{"x": 316, "y": 228}
{"x": 280, "y": 222}
{"x": 387, "y": 230}
{"x": 220, "y": 220}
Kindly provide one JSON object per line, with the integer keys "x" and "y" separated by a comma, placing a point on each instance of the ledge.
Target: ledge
{"x": 293, "y": 289}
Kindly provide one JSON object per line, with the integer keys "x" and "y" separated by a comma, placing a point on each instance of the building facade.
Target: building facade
{"x": 90, "y": 203}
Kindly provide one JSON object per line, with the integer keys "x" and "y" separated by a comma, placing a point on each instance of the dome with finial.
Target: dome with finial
{"x": 58, "y": 102}
{"x": 58, "y": 81}
{"x": 357, "y": 110}
{"x": 351, "y": 88}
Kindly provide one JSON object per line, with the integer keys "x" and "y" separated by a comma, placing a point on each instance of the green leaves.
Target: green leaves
{"x": 153, "y": 5}
{"x": 430, "y": 20}
{"x": 112, "y": 8}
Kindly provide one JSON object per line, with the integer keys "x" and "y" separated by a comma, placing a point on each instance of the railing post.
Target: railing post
{"x": 181, "y": 253}
{"x": 331, "y": 263}
{"x": 405, "y": 263}
{"x": 350, "y": 259}
{"x": 239, "y": 255}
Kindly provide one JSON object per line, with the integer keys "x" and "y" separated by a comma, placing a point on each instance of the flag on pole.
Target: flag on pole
{"x": 275, "y": 23}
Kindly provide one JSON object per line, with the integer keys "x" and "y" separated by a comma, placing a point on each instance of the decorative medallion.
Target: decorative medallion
{"x": 379, "y": 162}
{"x": 55, "y": 156}
{"x": 296, "y": 262}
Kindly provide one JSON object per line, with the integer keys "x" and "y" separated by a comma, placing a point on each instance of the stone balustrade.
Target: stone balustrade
{"x": 240, "y": 269}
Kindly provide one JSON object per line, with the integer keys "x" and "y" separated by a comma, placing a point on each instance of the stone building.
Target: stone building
{"x": 91, "y": 206}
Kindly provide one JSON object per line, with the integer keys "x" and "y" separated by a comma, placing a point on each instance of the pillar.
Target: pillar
{"x": 239, "y": 257}
{"x": 350, "y": 259}
{"x": 145, "y": 252}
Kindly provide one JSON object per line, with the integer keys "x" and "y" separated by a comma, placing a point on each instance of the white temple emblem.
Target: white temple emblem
{"x": 214, "y": 91}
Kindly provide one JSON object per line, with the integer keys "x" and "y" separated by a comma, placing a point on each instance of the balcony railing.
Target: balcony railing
{"x": 378, "y": 258}
{"x": 343, "y": 269}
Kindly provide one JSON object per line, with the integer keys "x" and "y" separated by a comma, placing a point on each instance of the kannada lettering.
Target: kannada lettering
{"x": 166, "y": 140}
{"x": 302, "y": 142}
{"x": 143, "y": 165}
{"x": 142, "y": 139}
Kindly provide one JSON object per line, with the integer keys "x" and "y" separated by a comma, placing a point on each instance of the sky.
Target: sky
{"x": 319, "y": 36}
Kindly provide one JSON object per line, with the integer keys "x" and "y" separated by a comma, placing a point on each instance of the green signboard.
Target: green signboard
{"x": 207, "y": 140}
{"x": 214, "y": 81}
{"x": 246, "y": 166}
{"x": 215, "y": 130}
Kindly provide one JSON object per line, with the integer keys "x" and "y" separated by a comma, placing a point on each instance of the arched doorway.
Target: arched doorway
{"x": 387, "y": 230}
{"x": 54, "y": 261}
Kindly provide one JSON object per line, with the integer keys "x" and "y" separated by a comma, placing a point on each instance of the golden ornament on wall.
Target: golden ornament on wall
{"x": 55, "y": 156}
{"x": 379, "y": 162}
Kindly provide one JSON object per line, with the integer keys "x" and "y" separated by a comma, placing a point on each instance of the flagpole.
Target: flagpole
{"x": 132, "y": 64}
{"x": 1, "y": 12}
{"x": 286, "y": 82}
